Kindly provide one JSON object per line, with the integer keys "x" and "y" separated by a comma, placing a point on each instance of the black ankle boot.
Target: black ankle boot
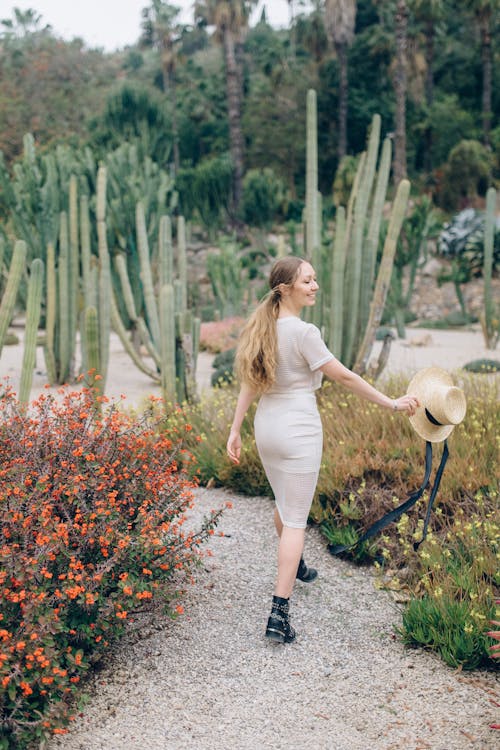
{"x": 304, "y": 573}
{"x": 278, "y": 625}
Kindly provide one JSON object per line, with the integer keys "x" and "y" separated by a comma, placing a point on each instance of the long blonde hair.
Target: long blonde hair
{"x": 257, "y": 352}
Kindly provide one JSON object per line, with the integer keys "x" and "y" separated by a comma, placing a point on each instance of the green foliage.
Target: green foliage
{"x": 223, "y": 366}
{"x": 467, "y": 174}
{"x": 483, "y": 366}
{"x": 205, "y": 191}
{"x": 92, "y": 509}
{"x": 444, "y": 625}
{"x": 134, "y": 114}
{"x": 262, "y": 197}
{"x": 229, "y": 279}
{"x": 420, "y": 226}
{"x": 455, "y": 600}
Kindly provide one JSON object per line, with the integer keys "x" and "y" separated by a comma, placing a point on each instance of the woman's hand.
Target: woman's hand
{"x": 233, "y": 446}
{"x": 406, "y": 404}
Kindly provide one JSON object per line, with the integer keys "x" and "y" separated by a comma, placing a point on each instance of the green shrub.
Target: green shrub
{"x": 263, "y": 195}
{"x": 455, "y": 596}
{"x": 467, "y": 174}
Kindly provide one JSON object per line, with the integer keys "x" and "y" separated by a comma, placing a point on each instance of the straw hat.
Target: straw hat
{"x": 442, "y": 404}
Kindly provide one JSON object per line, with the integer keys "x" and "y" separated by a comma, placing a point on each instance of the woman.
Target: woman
{"x": 282, "y": 359}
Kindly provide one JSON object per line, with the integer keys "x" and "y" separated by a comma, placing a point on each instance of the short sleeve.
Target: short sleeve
{"x": 314, "y": 349}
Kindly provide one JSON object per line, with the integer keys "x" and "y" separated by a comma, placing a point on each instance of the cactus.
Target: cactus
{"x": 347, "y": 274}
{"x": 104, "y": 275}
{"x": 50, "y": 315}
{"x": 491, "y": 320}
{"x": 146, "y": 275}
{"x": 33, "y": 310}
{"x": 92, "y": 348}
{"x": 73, "y": 270}
{"x": 166, "y": 251}
{"x": 9, "y": 296}
{"x": 337, "y": 284}
{"x": 182, "y": 259}
{"x": 64, "y": 320}
{"x": 384, "y": 275}
{"x": 355, "y": 252}
{"x": 168, "y": 344}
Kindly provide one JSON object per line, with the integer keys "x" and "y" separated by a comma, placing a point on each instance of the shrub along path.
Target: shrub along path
{"x": 211, "y": 681}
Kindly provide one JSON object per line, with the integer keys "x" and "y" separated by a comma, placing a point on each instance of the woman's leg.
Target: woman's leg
{"x": 290, "y": 549}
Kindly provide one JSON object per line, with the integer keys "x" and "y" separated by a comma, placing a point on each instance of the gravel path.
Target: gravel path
{"x": 211, "y": 681}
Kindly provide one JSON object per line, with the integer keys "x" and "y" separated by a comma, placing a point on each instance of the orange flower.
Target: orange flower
{"x": 179, "y": 609}
{"x": 25, "y": 688}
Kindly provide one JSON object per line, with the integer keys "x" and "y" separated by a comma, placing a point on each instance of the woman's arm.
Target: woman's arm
{"x": 245, "y": 398}
{"x": 335, "y": 370}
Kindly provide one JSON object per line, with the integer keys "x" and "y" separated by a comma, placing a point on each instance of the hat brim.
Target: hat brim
{"x": 420, "y": 385}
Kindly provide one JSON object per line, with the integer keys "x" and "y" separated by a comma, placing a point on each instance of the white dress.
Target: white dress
{"x": 288, "y": 429}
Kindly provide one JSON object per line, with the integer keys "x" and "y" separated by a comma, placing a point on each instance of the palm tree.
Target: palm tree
{"x": 484, "y": 12}
{"x": 429, "y": 13}
{"x": 230, "y": 18}
{"x": 340, "y": 19}
{"x": 159, "y": 30}
{"x": 400, "y": 87}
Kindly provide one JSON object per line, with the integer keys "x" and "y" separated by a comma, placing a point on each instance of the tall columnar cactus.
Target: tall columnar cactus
{"x": 92, "y": 349}
{"x": 355, "y": 250}
{"x": 51, "y": 315}
{"x": 312, "y": 221}
{"x": 336, "y": 322}
{"x": 165, "y": 251}
{"x": 33, "y": 310}
{"x": 64, "y": 304}
{"x": 104, "y": 314}
{"x": 182, "y": 259}
{"x": 491, "y": 319}
{"x": 17, "y": 267}
{"x": 344, "y": 312}
{"x": 174, "y": 346}
{"x": 168, "y": 339}
{"x": 147, "y": 275}
{"x": 384, "y": 275}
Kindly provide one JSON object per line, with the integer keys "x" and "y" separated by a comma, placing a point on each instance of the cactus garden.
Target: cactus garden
{"x": 132, "y": 250}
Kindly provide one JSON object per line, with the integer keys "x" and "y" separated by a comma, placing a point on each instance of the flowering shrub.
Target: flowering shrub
{"x": 92, "y": 527}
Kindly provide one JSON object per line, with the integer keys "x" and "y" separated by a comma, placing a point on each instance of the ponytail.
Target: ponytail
{"x": 257, "y": 352}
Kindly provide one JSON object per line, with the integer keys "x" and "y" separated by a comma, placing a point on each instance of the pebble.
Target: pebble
{"x": 209, "y": 680}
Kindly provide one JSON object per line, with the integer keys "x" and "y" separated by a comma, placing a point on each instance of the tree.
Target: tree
{"x": 340, "y": 18}
{"x": 484, "y": 11}
{"x": 230, "y": 17}
{"x": 429, "y": 13}
{"x": 400, "y": 88}
{"x": 160, "y": 31}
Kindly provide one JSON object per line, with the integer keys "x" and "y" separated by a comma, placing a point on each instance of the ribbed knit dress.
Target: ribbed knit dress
{"x": 288, "y": 429}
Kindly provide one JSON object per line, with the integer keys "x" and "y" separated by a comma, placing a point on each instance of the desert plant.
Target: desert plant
{"x": 483, "y": 366}
{"x": 33, "y": 310}
{"x": 418, "y": 228}
{"x": 491, "y": 319}
{"x": 9, "y": 294}
{"x": 467, "y": 174}
{"x": 92, "y": 529}
{"x": 352, "y": 301}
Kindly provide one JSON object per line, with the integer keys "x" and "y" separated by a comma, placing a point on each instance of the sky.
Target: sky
{"x": 112, "y": 24}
